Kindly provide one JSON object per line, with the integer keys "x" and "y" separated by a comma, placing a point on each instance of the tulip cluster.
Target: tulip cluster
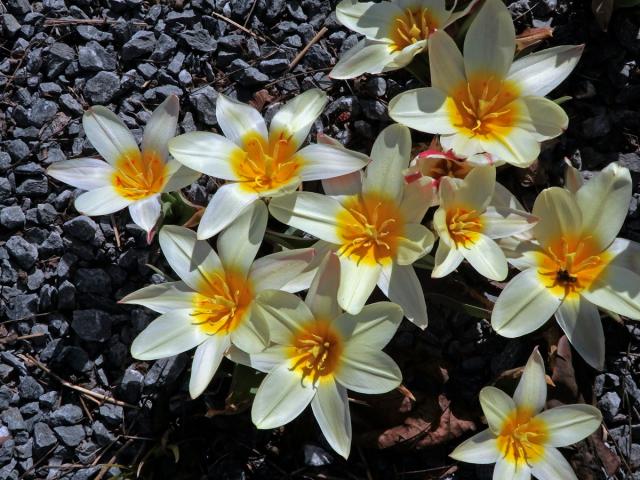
{"x": 370, "y": 227}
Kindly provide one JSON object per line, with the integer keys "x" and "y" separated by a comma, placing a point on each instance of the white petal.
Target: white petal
{"x": 539, "y": 73}
{"x": 275, "y": 271}
{"x": 325, "y": 161}
{"x": 496, "y": 406}
{"x": 531, "y": 391}
{"x": 331, "y": 409}
{"x": 506, "y": 469}
{"x": 237, "y": 119}
{"x": 487, "y": 258}
{"x": 239, "y": 243}
{"x": 558, "y": 214}
{"x": 616, "y": 289}
{"x": 401, "y": 285}
{"x": 101, "y": 201}
{"x": 206, "y": 361}
{"x": 553, "y": 466}
{"x": 541, "y": 117}
{"x": 179, "y": 176}
{"x": 310, "y": 212}
{"x": 206, "y": 152}
{"x": 474, "y": 192}
{"x": 625, "y": 253}
{"x": 169, "y": 334}
{"x": 161, "y": 127}
{"x": 490, "y": 43}
{"x": 373, "y": 20}
{"x": 280, "y": 398}
{"x": 366, "y": 370}
{"x": 423, "y": 109}
{"x": 580, "y": 321}
{"x": 402, "y": 58}
{"x": 418, "y": 196}
{"x": 162, "y": 298}
{"x": 264, "y": 361}
{"x": 356, "y": 284}
{"x": 373, "y": 327}
{"x": 227, "y": 204}
{"x": 447, "y": 64}
{"x": 500, "y": 222}
{"x": 193, "y": 260}
{"x": 285, "y": 313}
{"x": 84, "y": 173}
{"x": 252, "y": 333}
{"x": 296, "y": 117}
{"x": 568, "y": 424}
{"x": 481, "y": 449}
{"x": 523, "y": 306}
{"x": 390, "y": 155}
{"x": 604, "y": 203}
{"x": 518, "y": 147}
{"x": 145, "y": 213}
{"x": 322, "y": 297}
{"x": 416, "y": 241}
{"x": 447, "y": 260}
{"x": 503, "y": 198}
{"x": 467, "y": 147}
{"x": 349, "y": 184}
{"x": 108, "y": 134}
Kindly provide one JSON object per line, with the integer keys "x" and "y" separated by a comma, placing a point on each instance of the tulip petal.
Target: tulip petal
{"x": 264, "y": 361}
{"x": 239, "y": 243}
{"x": 162, "y": 298}
{"x": 618, "y": 290}
{"x": 237, "y": 119}
{"x": 331, "y": 408}
{"x": 373, "y": 20}
{"x": 553, "y": 466}
{"x": 506, "y": 469}
{"x": 356, "y": 284}
{"x": 604, "y": 203}
{"x": 349, "y": 184}
{"x": 517, "y": 147}
{"x": 541, "y": 117}
{"x": 276, "y": 270}
{"x": 500, "y": 222}
{"x": 295, "y": 118}
{"x": 206, "y": 361}
{"x": 390, "y": 155}
{"x": 624, "y": 253}
{"x": 487, "y": 258}
{"x": 101, "y": 201}
{"x": 179, "y": 176}
{"x": 496, "y": 406}
{"x": 490, "y": 43}
{"x": 161, "y": 127}
{"x": 402, "y": 58}
{"x": 423, "y": 109}
{"x": 313, "y": 213}
{"x": 169, "y": 334}
{"x": 206, "y": 152}
{"x": 568, "y": 424}
{"x": 418, "y": 196}
{"x": 447, "y": 259}
{"x": 367, "y": 56}
{"x": 252, "y": 333}
{"x": 280, "y": 398}
{"x": 325, "y": 161}
{"x": 446, "y": 62}
{"x": 539, "y": 73}
{"x": 401, "y": 285}
{"x": 523, "y": 306}
{"x": 481, "y": 449}
{"x": 531, "y": 391}
{"x": 193, "y": 260}
{"x": 374, "y": 326}
{"x": 322, "y": 295}
{"x": 415, "y": 242}
{"x": 227, "y": 204}
{"x": 366, "y": 370}
{"x": 146, "y": 212}
{"x": 475, "y": 192}
{"x": 84, "y": 173}
{"x": 108, "y": 134}
{"x": 285, "y": 313}
{"x": 558, "y": 214}
{"x": 580, "y": 321}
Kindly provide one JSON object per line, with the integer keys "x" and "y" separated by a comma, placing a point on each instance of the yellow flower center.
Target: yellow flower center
{"x": 411, "y": 27}
{"x": 437, "y": 168}
{"x": 369, "y": 228}
{"x": 139, "y": 175}
{"x": 316, "y": 350}
{"x": 484, "y": 105}
{"x": 522, "y": 437}
{"x": 223, "y": 302}
{"x": 264, "y": 166}
{"x": 464, "y": 226}
{"x": 569, "y": 265}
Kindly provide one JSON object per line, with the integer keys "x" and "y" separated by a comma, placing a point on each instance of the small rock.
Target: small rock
{"x": 111, "y": 414}
{"x": 247, "y": 75}
{"x": 68, "y": 414}
{"x": 17, "y": 149}
{"x": 141, "y": 44}
{"x": 24, "y": 253}
{"x": 12, "y": 418}
{"x": 93, "y": 57}
{"x": 315, "y": 456}
{"x": 42, "y": 111}
{"x": 10, "y": 25}
{"x": 93, "y": 280}
{"x": 36, "y": 187}
{"x": 89, "y": 32}
{"x": 70, "y": 436}
{"x": 165, "y": 46}
{"x": 609, "y": 404}
{"x": 131, "y": 385}
{"x": 199, "y": 40}
{"x": 82, "y": 227}
{"x": 48, "y": 400}
{"x": 101, "y": 434}
{"x": 101, "y": 88}
{"x": 71, "y": 104}
{"x": 29, "y": 388}
{"x": 92, "y": 325}
{"x": 274, "y": 65}
{"x": 12, "y": 217}
{"x": 46, "y": 214}
{"x": 43, "y": 438}
{"x": 22, "y": 306}
{"x": 203, "y": 101}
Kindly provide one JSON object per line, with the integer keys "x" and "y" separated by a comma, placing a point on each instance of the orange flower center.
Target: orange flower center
{"x": 437, "y": 168}
{"x": 264, "y": 166}
{"x": 139, "y": 175}
{"x": 222, "y": 303}
{"x": 568, "y": 265}
{"x": 411, "y": 27}
{"x": 464, "y": 226}
{"x": 522, "y": 437}
{"x": 484, "y": 105}
{"x": 369, "y": 228}
{"x": 315, "y": 351}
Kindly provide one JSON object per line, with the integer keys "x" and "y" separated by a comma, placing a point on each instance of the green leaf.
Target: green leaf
{"x": 288, "y": 241}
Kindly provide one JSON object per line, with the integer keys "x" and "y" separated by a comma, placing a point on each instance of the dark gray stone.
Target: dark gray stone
{"x": 247, "y": 75}
{"x": 89, "y": 32}
{"x": 43, "y": 438}
{"x": 33, "y": 187}
{"x": 140, "y": 45}
{"x": 50, "y": 88}
{"x": 111, "y": 414}
{"x": 82, "y": 227}
{"x": 609, "y": 405}
{"x": 68, "y": 414}
{"x": 165, "y": 46}
{"x": 22, "y": 252}
{"x": 29, "y": 388}
{"x": 42, "y": 112}
{"x": 199, "y": 40}
{"x": 53, "y": 245}
{"x": 12, "y": 418}
{"x": 165, "y": 371}
{"x": 315, "y": 456}
{"x": 70, "y": 436}
{"x": 203, "y": 101}
{"x": 10, "y": 25}
{"x": 70, "y": 103}
{"x": 17, "y": 149}
{"x": 274, "y": 65}
{"x": 66, "y": 296}
{"x": 93, "y": 57}
{"x": 101, "y": 434}
{"x": 101, "y": 88}
{"x": 131, "y": 385}
{"x": 12, "y": 217}
{"x": 35, "y": 281}
{"x": 92, "y": 325}
{"x": 46, "y": 214}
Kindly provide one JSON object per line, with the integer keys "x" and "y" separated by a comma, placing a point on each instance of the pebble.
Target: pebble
{"x": 93, "y": 57}
{"x": 141, "y": 44}
{"x": 199, "y": 40}
{"x": 12, "y": 217}
{"x": 68, "y": 414}
{"x": 92, "y": 325}
{"x": 24, "y": 253}
{"x": 43, "y": 438}
{"x": 29, "y": 388}
{"x": 81, "y": 227}
{"x": 70, "y": 436}
{"x": 101, "y": 88}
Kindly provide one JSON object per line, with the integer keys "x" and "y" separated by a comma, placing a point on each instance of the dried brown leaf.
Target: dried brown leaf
{"x": 532, "y": 36}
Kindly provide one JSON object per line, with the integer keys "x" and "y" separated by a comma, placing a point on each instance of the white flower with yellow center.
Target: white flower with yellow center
{"x": 485, "y": 106}
{"x": 374, "y": 225}
{"x": 260, "y": 163}
{"x": 129, "y": 177}
{"x": 395, "y": 31}
{"x": 576, "y": 265}
{"x": 468, "y": 225}
{"x": 318, "y": 353}
{"x": 214, "y": 304}
{"x": 522, "y": 439}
